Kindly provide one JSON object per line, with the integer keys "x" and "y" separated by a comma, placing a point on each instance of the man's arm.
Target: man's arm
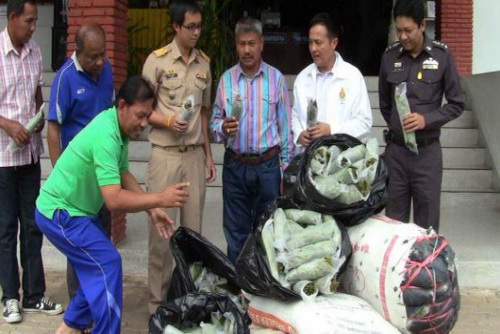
{"x": 300, "y": 135}
{"x": 384, "y": 93}
{"x": 130, "y": 197}
{"x": 212, "y": 172}
{"x": 15, "y": 130}
{"x": 54, "y": 141}
{"x": 454, "y": 97}
{"x": 285, "y": 125}
{"x": 218, "y": 115}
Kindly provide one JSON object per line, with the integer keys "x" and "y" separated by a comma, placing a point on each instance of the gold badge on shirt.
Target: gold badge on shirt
{"x": 171, "y": 73}
{"x": 342, "y": 95}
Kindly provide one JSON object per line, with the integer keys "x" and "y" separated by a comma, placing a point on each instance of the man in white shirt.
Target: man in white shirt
{"x": 337, "y": 87}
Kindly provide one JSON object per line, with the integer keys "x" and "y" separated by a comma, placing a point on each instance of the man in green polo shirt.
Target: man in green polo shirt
{"x": 94, "y": 169}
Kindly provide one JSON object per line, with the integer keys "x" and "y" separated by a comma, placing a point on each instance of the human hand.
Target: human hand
{"x": 319, "y": 130}
{"x": 39, "y": 127}
{"x": 305, "y": 138}
{"x": 413, "y": 122}
{"x": 212, "y": 171}
{"x": 230, "y": 126}
{"x": 179, "y": 126}
{"x": 17, "y": 132}
{"x": 174, "y": 196}
{"x": 163, "y": 223}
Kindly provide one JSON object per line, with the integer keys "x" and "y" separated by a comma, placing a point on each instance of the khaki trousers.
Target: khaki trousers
{"x": 168, "y": 167}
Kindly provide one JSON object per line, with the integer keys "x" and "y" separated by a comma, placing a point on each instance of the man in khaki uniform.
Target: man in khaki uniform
{"x": 181, "y": 150}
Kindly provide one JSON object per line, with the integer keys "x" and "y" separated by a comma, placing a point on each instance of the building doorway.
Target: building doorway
{"x": 364, "y": 25}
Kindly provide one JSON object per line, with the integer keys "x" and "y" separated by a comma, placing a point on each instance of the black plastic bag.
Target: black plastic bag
{"x": 298, "y": 188}
{"x": 433, "y": 310}
{"x": 190, "y": 310}
{"x": 189, "y": 247}
{"x": 252, "y": 270}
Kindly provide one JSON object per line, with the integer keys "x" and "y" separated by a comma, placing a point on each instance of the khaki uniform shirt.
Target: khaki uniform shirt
{"x": 174, "y": 81}
{"x": 428, "y": 77}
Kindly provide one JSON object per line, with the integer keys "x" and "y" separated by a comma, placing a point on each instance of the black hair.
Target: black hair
{"x": 136, "y": 89}
{"x": 17, "y": 6}
{"x": 86, "y": 29}
{"x": 179, "y": 8}
{"x": 326, "y": 20}
{"x": 414, "y": 9}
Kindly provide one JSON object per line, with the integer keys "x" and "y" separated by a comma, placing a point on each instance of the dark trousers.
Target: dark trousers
{"x": 416, "y": 177}
{"x": 247, "y": 190}
{"x": 19, "y": 188}
{"x": 104, "y": 224}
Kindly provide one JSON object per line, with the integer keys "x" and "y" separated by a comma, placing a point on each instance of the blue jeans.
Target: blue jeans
{"x": 247, "y": 190}
{"x": 19, "y": 188}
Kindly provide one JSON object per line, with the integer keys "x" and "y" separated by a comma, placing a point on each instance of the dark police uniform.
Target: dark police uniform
{"x": 429, "y": 76}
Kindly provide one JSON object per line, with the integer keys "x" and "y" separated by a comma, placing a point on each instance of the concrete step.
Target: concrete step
{"x": 470, "y": 180}
{"x": 468, "y": 221}
{"x": 464, "y": 158}
{"x": 48, "y": 77}
{"x": 466, "y": 120}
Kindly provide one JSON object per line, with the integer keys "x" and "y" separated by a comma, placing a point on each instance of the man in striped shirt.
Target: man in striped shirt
{"x": 257, "y": 136}
{"x": 20, "y": 98}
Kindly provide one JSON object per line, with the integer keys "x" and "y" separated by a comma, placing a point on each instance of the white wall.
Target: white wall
{"x": 43, "y": 33}
{"x": 486, "y": 29}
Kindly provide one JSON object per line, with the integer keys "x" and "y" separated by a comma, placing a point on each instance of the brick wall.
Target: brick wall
{"x": 112, "y": 16}
{"x": 454, "y": 27}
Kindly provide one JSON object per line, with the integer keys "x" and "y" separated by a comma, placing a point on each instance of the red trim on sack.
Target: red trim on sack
{"x": 386, "y": 219}
{"x": 268, "y": 320}
{"x": 383, "y": 274}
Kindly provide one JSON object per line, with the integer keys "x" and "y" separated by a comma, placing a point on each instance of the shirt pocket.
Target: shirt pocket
{"x": 429, "y": 89}
{"x": 173, "y": 89}
{"x": 199, "y": 88}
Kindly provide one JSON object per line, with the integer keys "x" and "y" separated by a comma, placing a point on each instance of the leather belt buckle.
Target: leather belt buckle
{"x": 182, "y": 148}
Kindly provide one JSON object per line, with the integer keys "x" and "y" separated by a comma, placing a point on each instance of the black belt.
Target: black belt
{"x": 252, "y": 159}
{"x": 398, "y": 139}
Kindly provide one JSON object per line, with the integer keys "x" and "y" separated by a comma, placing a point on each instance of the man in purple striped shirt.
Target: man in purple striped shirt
{"x": 252, "y": 117}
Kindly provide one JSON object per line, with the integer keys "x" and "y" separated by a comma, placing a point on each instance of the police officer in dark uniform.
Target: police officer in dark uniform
{"x": 429, "y": 71}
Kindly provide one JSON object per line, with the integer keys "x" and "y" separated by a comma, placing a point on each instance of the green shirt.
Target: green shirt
{"x": 96, "y": 157}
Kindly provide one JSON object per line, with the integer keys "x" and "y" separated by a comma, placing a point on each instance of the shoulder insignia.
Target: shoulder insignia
{"x": 204, "y": 56}
{"x": 162, "y": 51}
{"x": 393, "y": 46}
{"x": 440, "y": 45}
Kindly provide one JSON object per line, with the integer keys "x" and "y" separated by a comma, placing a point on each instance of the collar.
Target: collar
{"x": 79, "y": 67}
{"x": 337, "y": 69}
{"x": 176, "y": 53}
{"x": 239, "y": 70}
{"x": 9, "y": 47}
{"x": 428, "y": 47}
{"x": 116, "y": 122}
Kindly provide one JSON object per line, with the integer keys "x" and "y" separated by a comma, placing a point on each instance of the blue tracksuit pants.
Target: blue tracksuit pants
{"x": 98, "y": 267}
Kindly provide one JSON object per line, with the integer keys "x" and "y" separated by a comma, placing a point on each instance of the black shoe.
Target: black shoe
{"x": 44, "y": 305}
{"x": 11, "y": 312}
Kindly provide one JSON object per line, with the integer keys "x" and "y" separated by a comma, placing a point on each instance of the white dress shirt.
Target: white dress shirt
{"x": 341, "y": 96}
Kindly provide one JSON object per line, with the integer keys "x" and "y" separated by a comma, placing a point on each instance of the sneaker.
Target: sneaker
{"x": 11, "y": 312}
{"x": 44, "y": 305}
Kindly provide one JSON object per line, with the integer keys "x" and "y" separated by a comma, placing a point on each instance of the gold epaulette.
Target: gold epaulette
{"x": 162, "y": 51}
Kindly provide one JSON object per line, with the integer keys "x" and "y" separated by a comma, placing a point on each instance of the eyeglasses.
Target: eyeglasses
{"x": 193, "y": 27}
